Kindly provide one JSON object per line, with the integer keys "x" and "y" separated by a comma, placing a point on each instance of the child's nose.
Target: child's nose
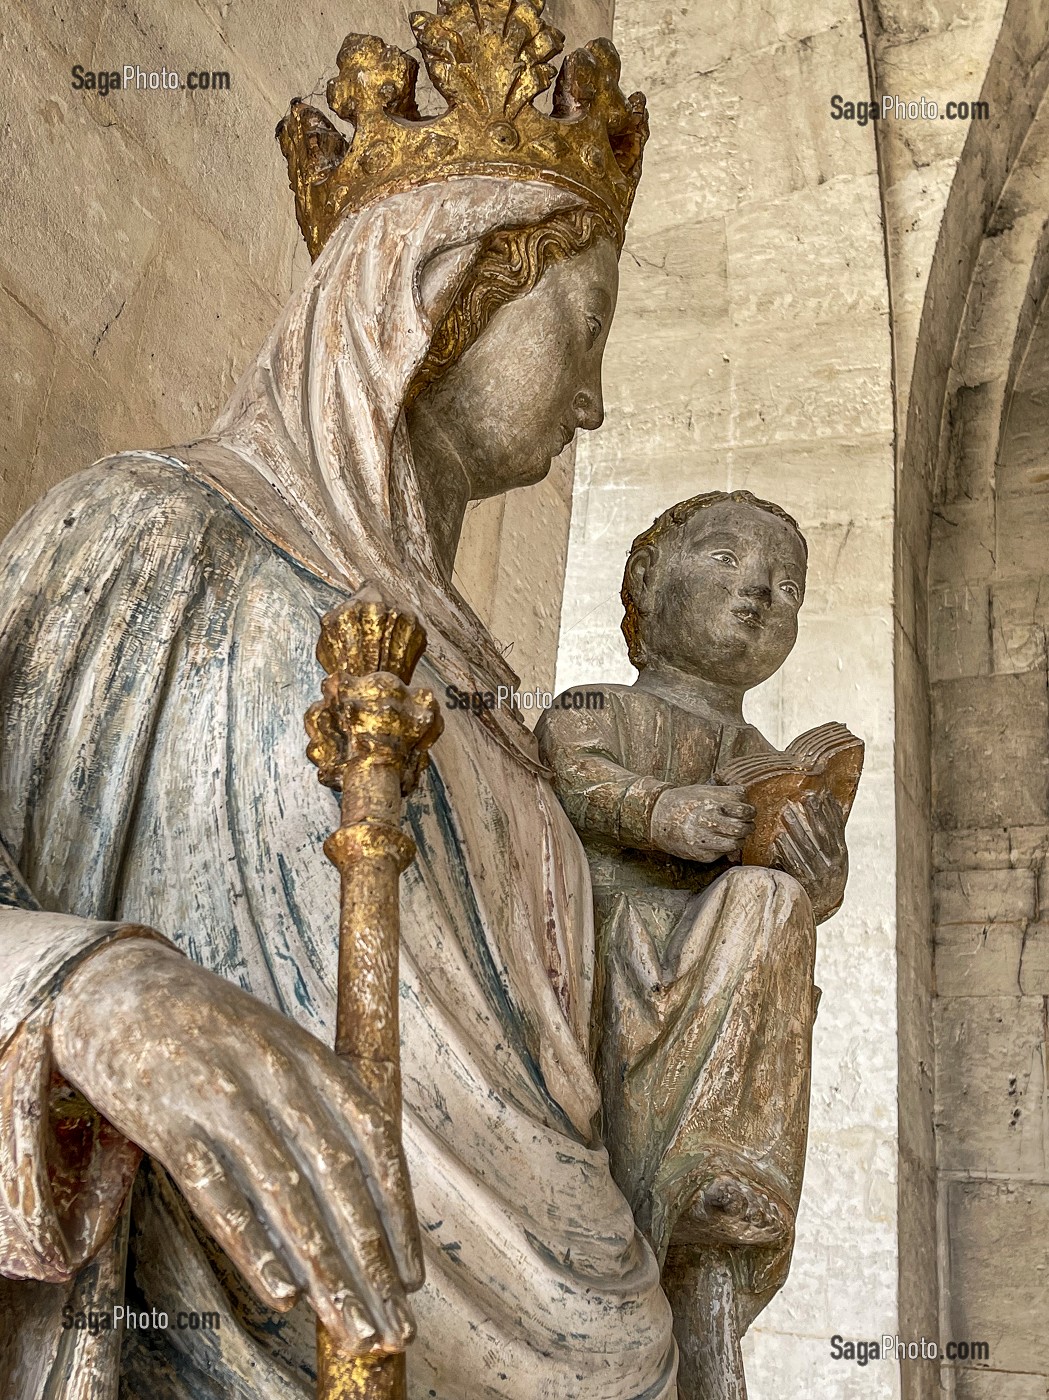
{"x": 758, "y": 589}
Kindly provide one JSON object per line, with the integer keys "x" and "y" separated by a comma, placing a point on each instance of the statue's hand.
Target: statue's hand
{"x": 812, "y": 849}
{"x": 701, "y": 822}
{"x": 275, "y": 1144}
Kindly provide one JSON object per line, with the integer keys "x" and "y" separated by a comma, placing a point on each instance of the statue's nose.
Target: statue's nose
{"x": 758, "y": 589}
{"x": 589, "y": 409}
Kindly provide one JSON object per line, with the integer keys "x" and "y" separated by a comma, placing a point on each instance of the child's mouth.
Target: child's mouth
{"x": 750, "y": 615}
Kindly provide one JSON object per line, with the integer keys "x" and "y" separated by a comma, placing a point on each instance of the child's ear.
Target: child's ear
{"x": 638, "y": 575}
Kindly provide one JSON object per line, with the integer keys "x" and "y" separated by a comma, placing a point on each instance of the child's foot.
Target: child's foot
{"x": 728, "y": 1209}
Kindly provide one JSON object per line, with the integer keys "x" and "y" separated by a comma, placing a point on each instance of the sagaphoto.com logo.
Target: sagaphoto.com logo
{"x": 132, "y": 77}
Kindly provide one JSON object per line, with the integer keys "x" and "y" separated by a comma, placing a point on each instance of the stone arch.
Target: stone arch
{"x": 973, "y": 736}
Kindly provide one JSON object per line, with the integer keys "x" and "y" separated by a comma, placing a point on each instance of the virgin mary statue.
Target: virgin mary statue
{"x": 187, "y": 1173}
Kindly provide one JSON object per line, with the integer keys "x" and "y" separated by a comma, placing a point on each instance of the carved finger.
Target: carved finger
{"x": 804, "y": 838}
{"x": 361, "y": 1208}
{"x": 794, "y": 858}
{"x": 819, "y": 818}
{"x": 372, "y": 1137}
{"x": 733, "y": 792}
{"x": 743, "y": 810}
{"x": 723, "y": 845}
{"x": 287, "y": 1203}
{"x": 730, "y": 826}
{"x": 222, "y": 1209}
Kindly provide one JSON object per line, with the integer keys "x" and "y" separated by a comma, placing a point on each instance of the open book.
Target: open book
{"x": 826, "y": 759}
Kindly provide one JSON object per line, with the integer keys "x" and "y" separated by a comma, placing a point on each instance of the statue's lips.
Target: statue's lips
{"x": 750, "y": 617}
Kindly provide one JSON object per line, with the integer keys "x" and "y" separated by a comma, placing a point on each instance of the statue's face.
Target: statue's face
{"x": 532, "y": 379}
{"x": 720, "y": 598}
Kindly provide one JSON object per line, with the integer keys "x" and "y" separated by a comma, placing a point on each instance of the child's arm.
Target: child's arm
{"x": 603, "y": 798}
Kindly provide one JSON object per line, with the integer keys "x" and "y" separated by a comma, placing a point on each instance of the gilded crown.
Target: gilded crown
{"x": 489, "y": 60}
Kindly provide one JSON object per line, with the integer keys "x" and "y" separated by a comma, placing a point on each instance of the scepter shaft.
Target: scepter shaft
{"x": 370, "y": 740}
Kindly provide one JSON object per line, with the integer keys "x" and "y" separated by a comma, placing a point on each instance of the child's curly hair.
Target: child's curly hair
{"x": 673, "y": 519}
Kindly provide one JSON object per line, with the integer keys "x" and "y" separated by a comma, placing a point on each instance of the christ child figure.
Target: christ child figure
{"x": 713, "y": 857}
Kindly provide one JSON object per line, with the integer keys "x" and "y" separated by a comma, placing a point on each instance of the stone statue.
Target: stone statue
{"x": 704, "y": 999}
{"x": 169, "y": 930}
{"x": 189, "y": 1176}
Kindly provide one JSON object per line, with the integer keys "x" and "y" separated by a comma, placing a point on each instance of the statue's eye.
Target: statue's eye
{"x": 595, "y": 326}
{"x": 725, "y": 556}
{"x": 791, "y": 589}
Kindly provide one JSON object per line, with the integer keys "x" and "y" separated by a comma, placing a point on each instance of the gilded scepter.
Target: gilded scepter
{"x": 370, "y": 738}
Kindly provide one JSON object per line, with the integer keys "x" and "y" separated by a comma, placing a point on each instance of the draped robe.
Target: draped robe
{"x": 158, "y": 616}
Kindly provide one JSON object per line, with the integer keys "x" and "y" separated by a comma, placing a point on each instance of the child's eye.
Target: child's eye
{"x": 791, "y": 589}
{"x": 595, "y": 325}
{"x": 725, "y": 556}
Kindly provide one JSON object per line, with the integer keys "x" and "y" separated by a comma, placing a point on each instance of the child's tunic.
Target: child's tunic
{"x": 705, "y": 1000}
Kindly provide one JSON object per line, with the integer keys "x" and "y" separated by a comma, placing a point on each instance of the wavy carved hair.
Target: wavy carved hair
{"x": 509, "y": 264}
{"x": 668, "y": 523}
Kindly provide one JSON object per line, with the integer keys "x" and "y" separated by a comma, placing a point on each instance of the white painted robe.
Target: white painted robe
{"x": 158, "y": 616}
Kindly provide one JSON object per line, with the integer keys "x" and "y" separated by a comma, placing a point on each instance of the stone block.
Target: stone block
{"x": 855, "y": 1061}
{"x": 914, "y": 754}
{"x": 857, "y": 1167}
{"x": 916, "y": 1058}
{"x": 681, "y": 403}
{"x": 1029, "y": 846}
{"x": 757, "y": 136}
{"x": 997, "y": 1385}
{"x": 196, "y": 292}
{"x": 850, "y": 569}
{"x": 106, "y": 229}
{"x": 914, "y": 865}
{"x": 939, "y": 66}
{"x": 1024, "y": 464}
{"x": 819, "y": 482}
{"x": 784, "y": 257}
{"x": 842, "y": 676}
{"x": 960, "y": 632}
{"x": 1022, "y": 525}
{"x": 990, "y": 1115}
{"x": 918, "y": 1308}
{"x": 775, "y": 400}
{"x": 998, "y": 1237}
{"x": 225, "y": 159}
{"x": 27, "y": 349}
{"x": 679, "y": 271}
{"x": 963, "y": 544}
{"x": 973, "y": 419}
{"x": 985, "y": 897}
{"x": 782, "y": 1363}
{"x": 872, "y": 868}
{"x": 991, "y": 751}
{"x": 977, "y": 960}
{"x": 986, "y": 848}
{"x": 912, "y": 597}
{"x": 1019, "y": 617}
{"x": 1034, "y": 961}
{"x": 698, "y": 37}
{"x": 86, "y": 416}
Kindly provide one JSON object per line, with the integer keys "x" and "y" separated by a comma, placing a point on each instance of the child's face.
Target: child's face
{"x": 721, "y": 597}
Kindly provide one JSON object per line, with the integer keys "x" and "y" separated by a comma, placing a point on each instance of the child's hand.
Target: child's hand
{"x": 812, "y": 848}
{"x": 701, "y": 822}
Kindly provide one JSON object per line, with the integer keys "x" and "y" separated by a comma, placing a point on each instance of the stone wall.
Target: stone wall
{"x": 990, "y": 791}
{"x": 148, "y": 240}
{"x": 721, "y": 375}
{"x": 965, "y": 244}
{"x": 751, "y": 349}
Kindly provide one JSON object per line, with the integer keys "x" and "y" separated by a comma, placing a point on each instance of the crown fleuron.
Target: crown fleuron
{"x": 489, "y": 60}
